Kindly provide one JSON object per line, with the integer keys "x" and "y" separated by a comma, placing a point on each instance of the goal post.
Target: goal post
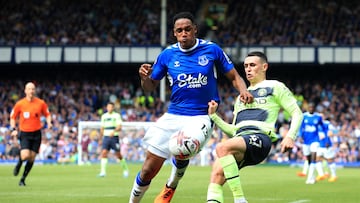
{"x": 91, "y": 129}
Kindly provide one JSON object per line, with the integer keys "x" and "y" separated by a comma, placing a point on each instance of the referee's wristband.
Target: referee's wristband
{"x": 13, "y": 129}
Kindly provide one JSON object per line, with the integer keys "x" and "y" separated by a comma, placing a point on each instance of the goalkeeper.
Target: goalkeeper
{"x": 252, "y": 130}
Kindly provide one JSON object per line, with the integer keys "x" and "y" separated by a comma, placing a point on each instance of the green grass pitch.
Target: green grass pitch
{"x": 261, "y": 184}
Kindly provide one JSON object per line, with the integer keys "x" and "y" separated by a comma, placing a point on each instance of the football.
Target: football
{"x": 182, "y": 146}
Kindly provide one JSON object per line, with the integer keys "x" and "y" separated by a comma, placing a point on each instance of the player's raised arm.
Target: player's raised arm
{"x": 239, "y": 83}
{"x": 147, "y": 83}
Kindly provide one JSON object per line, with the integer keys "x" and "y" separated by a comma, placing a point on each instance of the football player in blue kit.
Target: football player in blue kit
{"x": 311, "y": 125}
{"x": 326, "y": 154}
{"x": 191, "y": 66}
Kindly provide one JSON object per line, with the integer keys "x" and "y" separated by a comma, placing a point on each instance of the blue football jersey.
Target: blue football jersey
{"x": 310, "y": 127}
{"x": 326, "y": 141}
{"x": 192, "y": 74}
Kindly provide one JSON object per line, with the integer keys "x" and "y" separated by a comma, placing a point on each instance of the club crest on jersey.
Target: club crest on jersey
{"x": 262, "y": 92}
{"x": 177, "y": 64}
{"x": 203, "y": 61}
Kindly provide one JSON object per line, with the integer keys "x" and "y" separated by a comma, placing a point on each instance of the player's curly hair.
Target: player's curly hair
{"x": 186, "y": 15}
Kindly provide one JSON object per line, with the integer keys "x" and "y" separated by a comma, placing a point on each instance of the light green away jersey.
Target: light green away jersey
{"x": 109, "y": 122}
{"x": 269, "y": 97}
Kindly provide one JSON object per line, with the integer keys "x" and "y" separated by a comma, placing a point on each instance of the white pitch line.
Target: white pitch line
{"x": 301, "y": 201}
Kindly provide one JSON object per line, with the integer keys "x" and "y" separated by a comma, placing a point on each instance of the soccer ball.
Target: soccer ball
{"x": 183, "y": 147}
{"x": 187, "y": 142}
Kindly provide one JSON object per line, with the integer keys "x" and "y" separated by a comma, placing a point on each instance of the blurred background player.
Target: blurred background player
{"x": 29, "y": 110}
{"x": 189, "y": 66}
{"x": 325, "y": 155}
{"x": 109, "y": 132}
{"x": 309, "y": 132}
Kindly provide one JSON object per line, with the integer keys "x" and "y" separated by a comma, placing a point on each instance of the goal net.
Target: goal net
{"x": 131, "y": 144}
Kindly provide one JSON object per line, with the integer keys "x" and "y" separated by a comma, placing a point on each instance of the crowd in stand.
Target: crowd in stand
{"x": 283, "y": 22}
{"x": 74, "y": 101}
{"x": 137, "y": 22}
{"x": 92, "y": 22}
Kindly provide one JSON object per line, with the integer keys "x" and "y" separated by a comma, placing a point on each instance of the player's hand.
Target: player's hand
{"x": 145, "y": 71}
{"x": 287, "y": 144}
{"x": 246, "y": 97}
{"x": 212, "y": 107}
{"x": 14, "y": 133}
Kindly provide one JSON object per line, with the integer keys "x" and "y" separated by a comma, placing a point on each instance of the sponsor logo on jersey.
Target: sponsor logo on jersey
{"x": 192, "y": 82}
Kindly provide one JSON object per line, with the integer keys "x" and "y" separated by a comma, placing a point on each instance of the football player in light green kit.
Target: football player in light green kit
{"x": 109, "y": 131}
{"x": 252, "y": 131}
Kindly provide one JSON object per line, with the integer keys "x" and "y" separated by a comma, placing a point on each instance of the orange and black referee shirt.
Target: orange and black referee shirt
{"x": 30, "y": 113}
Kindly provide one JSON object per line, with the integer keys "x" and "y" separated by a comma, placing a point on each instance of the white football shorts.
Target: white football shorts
{"x": 157, "y": 136}
{"x": 327, "y": 153}
{"x": 307, "y": 149}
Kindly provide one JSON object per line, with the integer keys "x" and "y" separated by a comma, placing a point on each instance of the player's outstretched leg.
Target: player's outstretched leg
{"x": 333, "y": 176}
{"x": 28, "y": 167}
{"x": 139, "y": 189}
{"x": 305, "y": 168}
{"x": 177, "y": 172}
{"x": 103, "y": 165}
{"x": 215, "y": 193}
{"x": 165, "y": 195}
{"x": 320, "y": 171}
{"x": 17, "y": 167}
{"x": 124, "y": 167}
{"x": 311, "y": 174}
{"x": 231, "y": 173}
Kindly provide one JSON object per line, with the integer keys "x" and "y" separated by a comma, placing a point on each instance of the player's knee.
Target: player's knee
{"x": 222, "y": 150}
{"x": 120, "y": 156}
{"x": 104, "y": 153}
{"x": 25, "y": 157}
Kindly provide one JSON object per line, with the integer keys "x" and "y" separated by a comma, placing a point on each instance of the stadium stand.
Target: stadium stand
{"x": 71, "y": 101}
{"x": 137, "y": 22}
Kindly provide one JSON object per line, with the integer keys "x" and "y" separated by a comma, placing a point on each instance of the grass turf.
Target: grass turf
{"x": 261, "y": 184}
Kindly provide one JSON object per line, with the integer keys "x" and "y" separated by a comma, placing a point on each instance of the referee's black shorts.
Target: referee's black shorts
{"x": 30, "y": 140}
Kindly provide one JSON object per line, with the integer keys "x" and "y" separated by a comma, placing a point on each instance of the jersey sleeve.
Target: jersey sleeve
{"x": 159, "y": 66}
{"x": 285, "y": 97}
{"x": 224, "y": 63}
{"x": 227, "y": 128}
{"x": 45, "y": 109}
{"x": 15, "y": 111}
{"x": 288, "y": 102}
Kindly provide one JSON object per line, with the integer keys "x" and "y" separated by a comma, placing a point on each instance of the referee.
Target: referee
{"x": 29, "y": 111}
